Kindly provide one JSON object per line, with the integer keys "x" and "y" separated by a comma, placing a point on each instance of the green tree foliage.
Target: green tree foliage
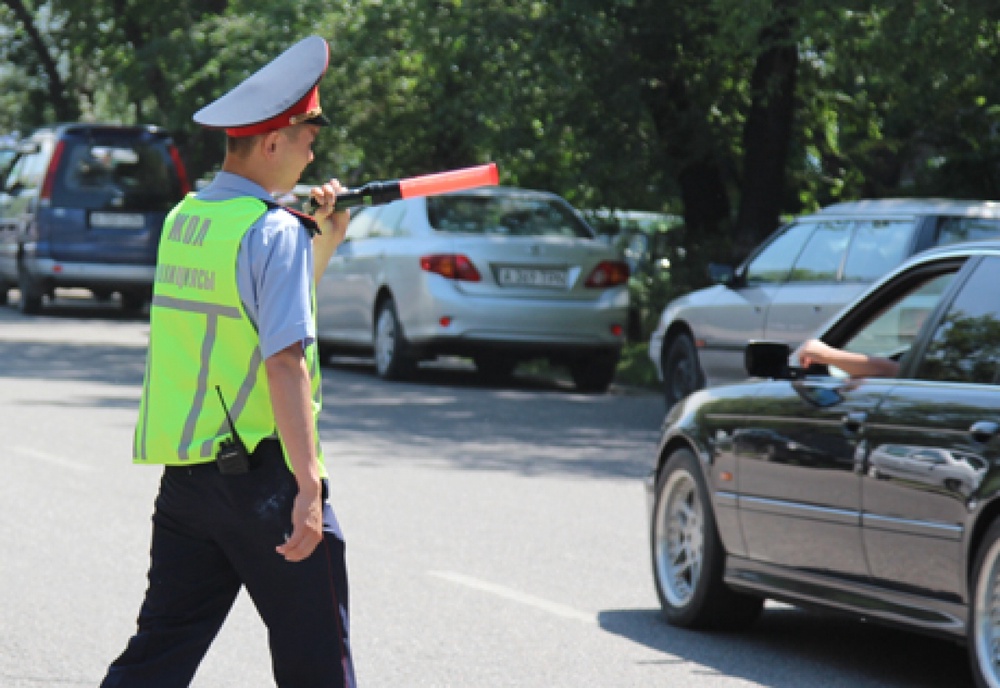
{"x": 730, "y": 112}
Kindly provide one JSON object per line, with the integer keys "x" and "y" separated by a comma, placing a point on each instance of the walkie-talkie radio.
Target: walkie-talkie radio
{"x": 232, "y": 457}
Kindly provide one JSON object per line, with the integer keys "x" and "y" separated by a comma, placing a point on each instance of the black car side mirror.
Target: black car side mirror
{"x": 720, "y": 273}
{"x": 769, "y": 359}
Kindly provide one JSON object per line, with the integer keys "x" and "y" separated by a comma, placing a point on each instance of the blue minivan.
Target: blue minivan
{"x": 82, "y": 206}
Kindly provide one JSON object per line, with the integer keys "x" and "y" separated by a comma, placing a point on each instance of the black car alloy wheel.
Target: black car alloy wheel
{"x": 984, "y": 616}
{"x": 688, "y": 557}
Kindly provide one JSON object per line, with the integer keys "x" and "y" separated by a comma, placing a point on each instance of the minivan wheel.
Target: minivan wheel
{"x": 688, "y": 555}
{"x": 392, "y": 361}
{"x": 31, "y": 294}
{"x": 682, "y": 372}
{"x": 984, "y": 615}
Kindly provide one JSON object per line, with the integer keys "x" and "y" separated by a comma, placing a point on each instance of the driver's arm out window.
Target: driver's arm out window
{"x": 891, "y": 333}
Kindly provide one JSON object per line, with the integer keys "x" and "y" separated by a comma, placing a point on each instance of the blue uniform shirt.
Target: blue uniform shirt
{"x": 274, "y": 268}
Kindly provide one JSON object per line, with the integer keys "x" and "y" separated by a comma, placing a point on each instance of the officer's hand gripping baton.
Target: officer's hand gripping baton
{"x": 377, "y": 193}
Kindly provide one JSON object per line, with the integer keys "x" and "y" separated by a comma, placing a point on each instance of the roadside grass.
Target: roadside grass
{"x": 634, "y": 369}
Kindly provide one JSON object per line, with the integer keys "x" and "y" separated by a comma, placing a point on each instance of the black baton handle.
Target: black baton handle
{"x": 372, "y": 193}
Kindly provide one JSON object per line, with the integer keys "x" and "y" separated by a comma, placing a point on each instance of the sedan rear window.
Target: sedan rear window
{"x": 504, "y": 215}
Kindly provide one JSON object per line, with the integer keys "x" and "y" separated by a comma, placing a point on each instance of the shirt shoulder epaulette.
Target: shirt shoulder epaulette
{"x": 305, "y": 220}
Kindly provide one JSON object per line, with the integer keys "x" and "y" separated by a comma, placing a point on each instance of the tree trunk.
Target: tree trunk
{"x": 684, "y": 133}
{"x": 768, "y": 130}
{"x": 66, "y": 109}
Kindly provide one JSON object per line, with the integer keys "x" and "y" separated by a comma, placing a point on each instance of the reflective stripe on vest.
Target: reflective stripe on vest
{"x": 203, "y": 344}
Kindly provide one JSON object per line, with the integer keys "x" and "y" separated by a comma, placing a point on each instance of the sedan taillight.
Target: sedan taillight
{"x": 450, "y": 265}
{"x": 608, "y": 273}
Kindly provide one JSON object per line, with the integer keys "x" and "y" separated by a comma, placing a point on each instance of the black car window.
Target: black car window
{"x": 951, "y": 230}
{"x": 894, "y": 328}
{"x": 823, "y": 254}
{"x": 774, "y": 262}
{"x": 877, "y": 247}
{"x": 116, "y": 172}
{"x": 965, "y": 346}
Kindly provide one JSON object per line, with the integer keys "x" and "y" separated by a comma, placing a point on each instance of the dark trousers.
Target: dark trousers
{"x": 213, "y": 534}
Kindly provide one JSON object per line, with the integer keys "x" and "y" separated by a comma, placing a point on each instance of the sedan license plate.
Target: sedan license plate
{"x": 548, "y": 278}
{"x": 118, "y": 220}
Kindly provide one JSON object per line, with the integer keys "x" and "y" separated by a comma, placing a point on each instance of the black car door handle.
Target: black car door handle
{"x": 983, "y": 431}
{"x": 854, "y": 422}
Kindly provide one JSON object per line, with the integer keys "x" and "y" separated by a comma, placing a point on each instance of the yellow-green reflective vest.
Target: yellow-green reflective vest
{"x": 203, "y": 344}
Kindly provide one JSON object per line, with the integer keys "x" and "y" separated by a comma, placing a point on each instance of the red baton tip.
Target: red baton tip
{"x": 454, "y": 180}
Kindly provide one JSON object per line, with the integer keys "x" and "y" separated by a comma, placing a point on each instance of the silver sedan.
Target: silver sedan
{"x": 497, "y": 274}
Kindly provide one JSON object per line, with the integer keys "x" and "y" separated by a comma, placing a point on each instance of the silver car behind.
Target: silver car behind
{"x": 498, "y": 274}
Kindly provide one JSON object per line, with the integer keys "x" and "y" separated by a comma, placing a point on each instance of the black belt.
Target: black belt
{"x": 268, "y": 449}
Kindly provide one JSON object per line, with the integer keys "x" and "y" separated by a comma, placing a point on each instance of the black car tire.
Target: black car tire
{"x": 682, "y": 372}
{"x": 983, "y": 634}
{"x": 392, "y": 360}
{"x": 31, "y": 295}
{"x": 688, "y": 556}
{"x": 595, "y": 374}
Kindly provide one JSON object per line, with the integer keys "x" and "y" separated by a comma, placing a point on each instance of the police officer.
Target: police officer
{"x": 231, "y": 398}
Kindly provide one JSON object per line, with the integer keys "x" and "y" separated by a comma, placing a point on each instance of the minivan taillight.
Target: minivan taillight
{"x": 608, "y": 273}
{"x": 450, "y": 265}
{"x": 50, "y": 174}
{"x": 175, "y": 155}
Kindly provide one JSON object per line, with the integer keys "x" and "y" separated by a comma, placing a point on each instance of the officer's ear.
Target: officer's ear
{"x": 269, "y": 143}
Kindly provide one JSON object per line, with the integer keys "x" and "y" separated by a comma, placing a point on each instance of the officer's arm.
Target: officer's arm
{"x": 333, "y": 226}
{"x": 291, "y": 398}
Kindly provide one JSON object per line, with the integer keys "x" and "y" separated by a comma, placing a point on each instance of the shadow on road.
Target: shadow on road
{"x": 841, "y": 651}
{"x": 533, "y": 425}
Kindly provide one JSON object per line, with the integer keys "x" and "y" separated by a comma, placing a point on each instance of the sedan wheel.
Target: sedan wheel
{"x": 688, "y": 556}
{"x": 682, "y": 373}
{"x": 984, "y": 619}
{"x": 391, "y": 359}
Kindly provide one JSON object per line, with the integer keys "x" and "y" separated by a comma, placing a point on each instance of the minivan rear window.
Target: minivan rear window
{"x": 115, "y": 172}
{"x": 504, "y": 215}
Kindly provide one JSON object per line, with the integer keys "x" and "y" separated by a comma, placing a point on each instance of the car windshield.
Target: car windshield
{"x": 116, "y": 173}
{"x": 504, "y": 216}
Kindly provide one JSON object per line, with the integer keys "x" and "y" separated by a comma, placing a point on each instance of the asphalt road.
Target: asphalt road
{"x": 496, "y": 535}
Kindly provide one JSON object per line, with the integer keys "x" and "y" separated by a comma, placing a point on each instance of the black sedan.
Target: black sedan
{"x": 879, "y": 497}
